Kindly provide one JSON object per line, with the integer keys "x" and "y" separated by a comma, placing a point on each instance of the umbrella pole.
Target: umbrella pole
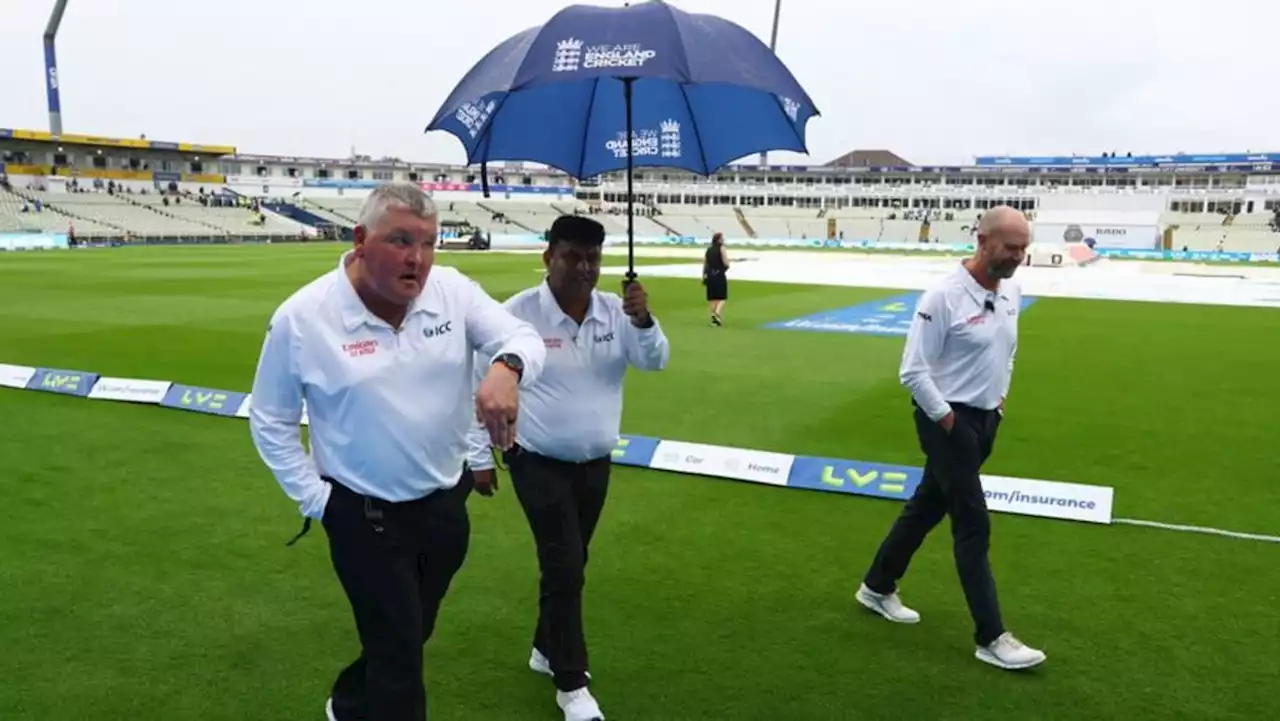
{"x": 631, "y": 223}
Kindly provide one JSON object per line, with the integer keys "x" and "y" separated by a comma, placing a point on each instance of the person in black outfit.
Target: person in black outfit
{"x": 714, "y": 268}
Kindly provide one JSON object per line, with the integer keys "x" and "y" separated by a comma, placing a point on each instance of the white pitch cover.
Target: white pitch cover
{"x": 132, "y": 390}
{"x": 243, "y": 411}
{"x": 1048, "y": 499}
{"x": 723, "y": 462}
{"x": 15, "y": 376}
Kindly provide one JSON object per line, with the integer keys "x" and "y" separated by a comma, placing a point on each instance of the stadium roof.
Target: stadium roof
{"x": 98, "y": 141}
{"x": 868, "y": 159}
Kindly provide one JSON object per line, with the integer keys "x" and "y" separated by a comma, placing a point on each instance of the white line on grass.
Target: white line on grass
{"x": 1198, "y": 529}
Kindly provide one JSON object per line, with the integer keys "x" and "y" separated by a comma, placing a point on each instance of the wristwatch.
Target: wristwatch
{"x": 512, "y": 361}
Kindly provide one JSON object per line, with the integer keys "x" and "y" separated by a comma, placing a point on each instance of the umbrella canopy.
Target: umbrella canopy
{"x": 703, "y": 92}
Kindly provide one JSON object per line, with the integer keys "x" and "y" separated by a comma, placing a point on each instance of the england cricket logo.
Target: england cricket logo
{"x": 473, "y": 116}
{"x": 669, "y": 139}
{"x": 644, "y": 143}
{"x": 790, "y": 107}
{"x": 568, "y": 57}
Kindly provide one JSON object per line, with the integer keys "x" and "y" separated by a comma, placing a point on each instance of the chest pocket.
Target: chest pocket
{"x": 439, "y": 345}
{"x": 605, "y": 345}
{"x": 979, "y": 331}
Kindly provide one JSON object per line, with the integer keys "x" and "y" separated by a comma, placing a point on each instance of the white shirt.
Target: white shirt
{"x": 573, "y": 412}
{"x": 957, "y": 350}
{"x": 389, "y": 410}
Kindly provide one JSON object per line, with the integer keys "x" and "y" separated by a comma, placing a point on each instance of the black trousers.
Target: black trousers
{"x": 562, "y": 502}
{"x": 950, "y": 486}
{"x": 395, "y": 562}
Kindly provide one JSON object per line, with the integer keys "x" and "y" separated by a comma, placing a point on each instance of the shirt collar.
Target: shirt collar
{"x": 355, "y": 313}
{"x": 552, "y": 311}
{"x": 975, "y": 290}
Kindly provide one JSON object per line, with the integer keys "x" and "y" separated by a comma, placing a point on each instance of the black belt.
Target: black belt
{"x": 372, "y": 513}
{"x": 517, "y": 451}
{"x": 958, "y": 407}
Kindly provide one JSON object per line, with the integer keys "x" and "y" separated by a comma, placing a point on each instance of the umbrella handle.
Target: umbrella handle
{"x": 631, "y": 197}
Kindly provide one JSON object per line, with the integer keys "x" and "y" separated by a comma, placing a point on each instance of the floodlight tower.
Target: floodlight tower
{"x": 773, "y": 45}
{"x": 51, "y": 67}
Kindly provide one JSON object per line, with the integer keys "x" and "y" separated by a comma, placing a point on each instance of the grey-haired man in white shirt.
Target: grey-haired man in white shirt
{"x": 569, "y": 425}
{"x": 381, "y": 349}
{"x": 957, "y": 363}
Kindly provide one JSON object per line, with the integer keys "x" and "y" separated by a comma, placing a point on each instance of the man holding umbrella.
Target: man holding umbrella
{"x": 568, "y": 427}
{"x": 645, "y": 85}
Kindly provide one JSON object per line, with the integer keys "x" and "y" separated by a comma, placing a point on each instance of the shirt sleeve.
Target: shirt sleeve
{"x": 493, "y": 331}
{"x": 275, "y": 415}
{"x": 925, "y": 338}
{"x": 1008, "y": 375}
{"x": 646, "y": 348}
{"x": 479, "y": 453}
{"x": 1016, "y": 298}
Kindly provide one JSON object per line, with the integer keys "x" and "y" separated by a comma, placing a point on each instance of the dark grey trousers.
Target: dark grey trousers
{"x": 950, "y": 486}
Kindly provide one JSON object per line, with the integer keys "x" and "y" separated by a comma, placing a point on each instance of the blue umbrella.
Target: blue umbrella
{"x": 598, "y": 89}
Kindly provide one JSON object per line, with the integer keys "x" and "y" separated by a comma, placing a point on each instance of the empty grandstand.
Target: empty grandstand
{"x": 142, "y": 191}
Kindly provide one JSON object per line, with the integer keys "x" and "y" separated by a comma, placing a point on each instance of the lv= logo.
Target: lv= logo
{"x": 887, "y": 482}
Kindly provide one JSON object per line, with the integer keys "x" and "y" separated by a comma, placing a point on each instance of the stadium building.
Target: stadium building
{"x": 97, "y": 189}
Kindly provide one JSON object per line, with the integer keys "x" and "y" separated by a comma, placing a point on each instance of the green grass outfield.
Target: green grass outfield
{"x": 143, "y": 571}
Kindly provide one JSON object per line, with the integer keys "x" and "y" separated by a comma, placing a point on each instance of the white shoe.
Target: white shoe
{"x": 541, "y": 664}
{"x": 887, "y": 605}
{"x": 1009, "y": 653}
{"x": 579, "y": 705}
{"x": 328, "y": 710}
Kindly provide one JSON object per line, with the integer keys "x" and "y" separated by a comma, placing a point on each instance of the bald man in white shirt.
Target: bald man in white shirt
{"x": 957, "y": 363}
{"x": 569, "y": 424}
{"x": 381, "y": 349}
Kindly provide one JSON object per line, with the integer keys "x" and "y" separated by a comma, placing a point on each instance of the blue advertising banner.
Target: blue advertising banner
{"x": 856, "y": 477}
{"x": 203, "y": 400}
{"x": 1024, "y": 496}
{"x": 346, "y": 183}
{"x": 66, "y": 382}
{"x": 635, "y": 451}
{"x": 1193, "y": 255}
{"x": 51, "y": 77}
{"x": 1132, "y": 161}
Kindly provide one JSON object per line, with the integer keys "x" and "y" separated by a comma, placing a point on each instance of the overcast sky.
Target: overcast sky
{"x": 937, "y": 81}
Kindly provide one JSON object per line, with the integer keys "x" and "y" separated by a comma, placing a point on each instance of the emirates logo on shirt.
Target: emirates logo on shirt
{"x": 360, "y": 347}
{"x": 552, "y": 343}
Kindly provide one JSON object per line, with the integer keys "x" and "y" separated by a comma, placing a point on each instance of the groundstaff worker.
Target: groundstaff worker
{"x": 569, "y": 424}
{"x": 957, "y": 363}
{"x": 381, "y": 349}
